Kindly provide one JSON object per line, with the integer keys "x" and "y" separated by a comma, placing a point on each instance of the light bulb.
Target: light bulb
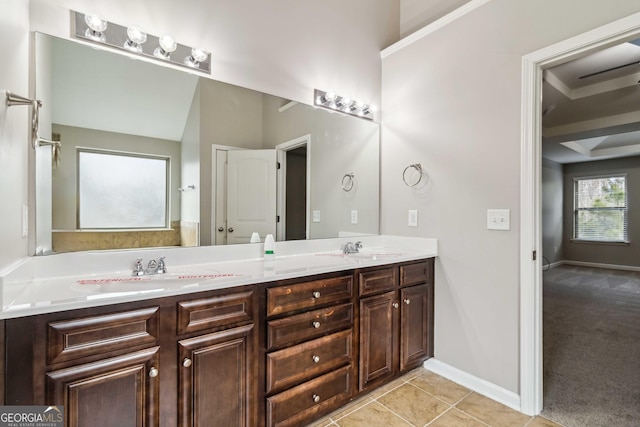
{"x": 96, "y": 25}
{"x": 167, "y": 46}
{"x": 330, "y": 97}
{"x": 197, "y": 56}
{"x": 136, "y": 38}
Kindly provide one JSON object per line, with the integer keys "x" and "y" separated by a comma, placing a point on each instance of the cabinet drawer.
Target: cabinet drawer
{"x": 297, "y": 296}
{"x": 412, "y": 274}
{"x": 221, "y": 310}
{"x": 305, "y": 326}
{"x": 378, "y": 280}
{"x": 307, "y": 360}
{"x": 76, "y": 338}
{"x": 307, "y": 401}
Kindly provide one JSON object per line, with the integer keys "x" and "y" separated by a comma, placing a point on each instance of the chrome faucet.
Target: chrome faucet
{"x": 352, "y": 248}
{"x": 153, "y": 267}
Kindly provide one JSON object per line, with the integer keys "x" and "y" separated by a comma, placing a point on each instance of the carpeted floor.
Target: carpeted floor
{"x": 591, "y": 347}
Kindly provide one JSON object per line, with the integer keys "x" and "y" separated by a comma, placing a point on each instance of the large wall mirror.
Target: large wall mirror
{"x": 153, "y": 156}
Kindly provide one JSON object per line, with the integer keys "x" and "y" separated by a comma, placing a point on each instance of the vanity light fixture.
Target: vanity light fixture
{"x": 96, "y": 27}
{"x": 133, "y": 40}
{"x": 344, "y": 104}
{"x": 167, "y": 46}
{"x": 197, "y": 56}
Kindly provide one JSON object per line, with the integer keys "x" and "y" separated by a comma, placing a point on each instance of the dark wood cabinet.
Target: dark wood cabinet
{"x": 120, "y": 391}
{"x": 215, "y": 379}
{"x": 396, "y": 321}
{"x": 282, "y": 353}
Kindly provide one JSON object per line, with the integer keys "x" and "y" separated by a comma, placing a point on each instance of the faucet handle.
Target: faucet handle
{"x": 138, "y": 270}
{"x": 358, "y": 244}
{"x": 162, "y": 268}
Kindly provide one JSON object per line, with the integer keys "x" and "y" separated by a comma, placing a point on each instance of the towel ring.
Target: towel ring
{"x": 347, "y": 182}
{"x": 418, "y": 168}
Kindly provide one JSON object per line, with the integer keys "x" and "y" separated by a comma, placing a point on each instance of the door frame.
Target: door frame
{"x": 533, "y": 64}
{"x": 281, "y": 150}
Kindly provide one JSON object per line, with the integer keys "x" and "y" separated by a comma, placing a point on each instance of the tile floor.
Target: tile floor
{"x": 422, "y": 398}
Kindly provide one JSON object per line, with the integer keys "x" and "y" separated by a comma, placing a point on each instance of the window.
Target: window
{"x": 121, "y": 190}
{"x": 600, "y": 208}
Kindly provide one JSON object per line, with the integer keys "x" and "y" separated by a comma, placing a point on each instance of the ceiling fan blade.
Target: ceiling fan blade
{"x": 609, "y": 69}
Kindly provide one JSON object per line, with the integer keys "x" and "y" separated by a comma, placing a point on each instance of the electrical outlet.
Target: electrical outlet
{"x": 354, "y": 216}
{"x": 316, "y": 216}
{"x": 413, "y": 218}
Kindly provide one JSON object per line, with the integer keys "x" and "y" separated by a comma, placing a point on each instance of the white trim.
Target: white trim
{"x": 433, "y": 27}
{"x": 602, "y": 265}
{"x": 530, "y": 232}
{"x": 474, "y": 383}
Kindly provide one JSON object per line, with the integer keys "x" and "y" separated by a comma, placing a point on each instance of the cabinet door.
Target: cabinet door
{"x": 215, "y": 379}
{"x": 414, "y": 326}
{"x": 120, "y": 391}
{"x": 378, "y": 339}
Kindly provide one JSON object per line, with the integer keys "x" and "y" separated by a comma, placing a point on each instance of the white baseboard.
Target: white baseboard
{"x": 474, "y": 383}
{"x": 602, "y": 265}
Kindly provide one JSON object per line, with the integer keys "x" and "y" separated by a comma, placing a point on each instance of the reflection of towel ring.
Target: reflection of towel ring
{"x": 347, "y": 181}
{"x": 418, "y": 168}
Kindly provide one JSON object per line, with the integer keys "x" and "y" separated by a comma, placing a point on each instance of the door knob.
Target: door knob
{"x": 153, "y": 372}
{"x": 230, "y": 229}
{"x": 221, "y": 229}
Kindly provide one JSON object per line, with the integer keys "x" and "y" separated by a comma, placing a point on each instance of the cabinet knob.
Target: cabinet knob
{"x": 316, "y": 294}
{"x": 153, "y": 372}
{"x": 396, "y": 305}
{"x": 407, "y": 301}
{"x": 315, "y": 358}
{"x": 316, "y": 398}
{"x": 186, "y": 362}
{"x": 316, "y": 324}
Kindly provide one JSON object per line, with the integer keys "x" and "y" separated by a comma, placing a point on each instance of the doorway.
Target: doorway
{"x": 531, "y": 227}
{"x": 294, "y": 189}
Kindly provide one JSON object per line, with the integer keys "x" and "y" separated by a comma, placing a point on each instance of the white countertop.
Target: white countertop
{"x": 80, "y": 280}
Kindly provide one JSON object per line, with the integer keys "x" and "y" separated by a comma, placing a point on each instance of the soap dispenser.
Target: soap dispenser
{"x": 269, "y": 248}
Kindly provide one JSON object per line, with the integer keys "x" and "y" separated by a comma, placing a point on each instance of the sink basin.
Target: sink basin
{"x": 372, "y": 256}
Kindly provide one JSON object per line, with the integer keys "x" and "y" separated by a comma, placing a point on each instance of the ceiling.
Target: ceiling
{"x": 591, "y": 106}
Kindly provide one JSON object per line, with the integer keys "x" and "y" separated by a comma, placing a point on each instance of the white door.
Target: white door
{"x": 251, "y": 194}
{"x": 220, "y": 197}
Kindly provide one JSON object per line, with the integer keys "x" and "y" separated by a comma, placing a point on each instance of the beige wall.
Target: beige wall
{"x": 451, "y": 101}
{"x": 415, "y": 14}
{"x": 14, "y": 137}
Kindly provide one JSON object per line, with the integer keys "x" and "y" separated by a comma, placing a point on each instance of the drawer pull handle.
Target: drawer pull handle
{"x": 153, "y": 372}
{"x": 315, "y": 359}
{"x": 186, "y": 362}
{"x": 316, "y": 398}
{"x": 407, "y": 301}
{"x": 316, "y": 324}
{"x": 396, "y": 305}
{"x": 316, "y": 294}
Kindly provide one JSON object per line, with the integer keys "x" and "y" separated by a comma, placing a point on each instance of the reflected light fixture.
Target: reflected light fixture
{"x": 343, "y": 104}
{"x": 135, "y": 41}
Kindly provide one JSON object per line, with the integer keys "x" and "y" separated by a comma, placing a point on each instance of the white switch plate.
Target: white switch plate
{"x": 316, "y": 216}
{"x": 413, "y": 218}
{"x": 498, "y": 219}
{"x": 354, "y": 216}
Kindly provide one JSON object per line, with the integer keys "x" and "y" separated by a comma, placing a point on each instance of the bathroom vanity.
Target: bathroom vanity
{"x": 282, "y": 349}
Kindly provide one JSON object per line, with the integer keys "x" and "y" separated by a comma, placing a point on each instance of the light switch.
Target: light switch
{"x": 498, "y": 219}
{"x": 413, "y": 218}
{"x": 316, "y": 216}
{"x": 354, "y": 216}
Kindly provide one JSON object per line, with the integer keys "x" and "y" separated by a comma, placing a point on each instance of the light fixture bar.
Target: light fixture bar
{"x": 115, "y": 36}
{"x": 343, "y": 104}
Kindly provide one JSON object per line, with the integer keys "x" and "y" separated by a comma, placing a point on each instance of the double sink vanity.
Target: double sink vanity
{"x": 222, "y": 338}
